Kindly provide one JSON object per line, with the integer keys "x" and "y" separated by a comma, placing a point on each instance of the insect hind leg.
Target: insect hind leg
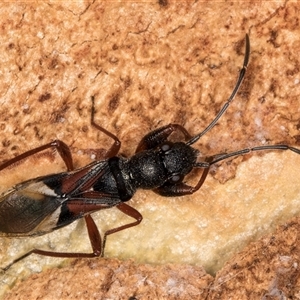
{"x": 95, "y": 240}
{"x": 62, "y": 149}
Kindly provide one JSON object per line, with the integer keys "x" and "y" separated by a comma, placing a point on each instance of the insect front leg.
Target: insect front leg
{"x": 181, "y": 189}
{"x": 159, "y": 136}
{"x": 170, "y": 189}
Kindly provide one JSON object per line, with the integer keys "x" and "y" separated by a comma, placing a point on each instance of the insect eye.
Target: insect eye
{"x": 165, "y": 147}
{"x": 176, "y": 178}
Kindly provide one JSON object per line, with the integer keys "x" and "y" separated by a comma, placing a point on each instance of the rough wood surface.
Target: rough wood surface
{"x": 266, "y": 269}
{"x": 149, "y": 64}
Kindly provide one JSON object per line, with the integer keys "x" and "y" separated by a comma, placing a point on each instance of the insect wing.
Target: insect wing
{"x": 46, "y": 203}
{"x": 26, "y": 206}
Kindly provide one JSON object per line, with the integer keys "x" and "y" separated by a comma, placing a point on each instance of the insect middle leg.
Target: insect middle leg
{"x": 129, "y": 211}
{"x": 114, "y": 149}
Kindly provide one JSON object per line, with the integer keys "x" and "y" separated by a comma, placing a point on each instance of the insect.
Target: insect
{"x": 41, "y": 205}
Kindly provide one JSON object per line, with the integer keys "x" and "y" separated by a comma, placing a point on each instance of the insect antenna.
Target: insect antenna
{"x": 234, "y": 92}
{"x": 219, "y": 157}
{"x": 248, "y": 150}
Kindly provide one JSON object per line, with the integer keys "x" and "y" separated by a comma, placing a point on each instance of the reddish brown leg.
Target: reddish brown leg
{"x": 60, "y": 146}
{"x": 203, "y": 176}
{"x": 95, "y": 240}
{"x": 114, "y": 149}
{"x": 93, "y": 232}
{"x": 181, "y": 188}
{"x": 129, "y": 211}
{"x": 200, "y": 182}
{"x": 159, "y": 136}
{"x": 94, "y": 236}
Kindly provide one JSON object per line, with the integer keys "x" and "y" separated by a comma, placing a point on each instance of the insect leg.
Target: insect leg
{"x": 129, "y": 211}
{"x": 94, "y": 237}
{"x": 202, "y": 178}
{"x": 114, "y": 149}
{"x": 60, "y": 146}
{"x": 159, "y": 136}
{"x": 181, "y": 189}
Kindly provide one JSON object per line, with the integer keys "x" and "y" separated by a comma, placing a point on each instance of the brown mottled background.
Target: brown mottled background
{"x": 148, "y": 64}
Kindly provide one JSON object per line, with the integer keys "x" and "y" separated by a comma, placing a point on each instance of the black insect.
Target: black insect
{"x": 41, "y": 205}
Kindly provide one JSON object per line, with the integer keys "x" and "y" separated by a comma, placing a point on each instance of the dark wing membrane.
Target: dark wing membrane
{"x": 40, "y": 205}
{"x": 33, "y": 207}
{"x": 22, "y": 210}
